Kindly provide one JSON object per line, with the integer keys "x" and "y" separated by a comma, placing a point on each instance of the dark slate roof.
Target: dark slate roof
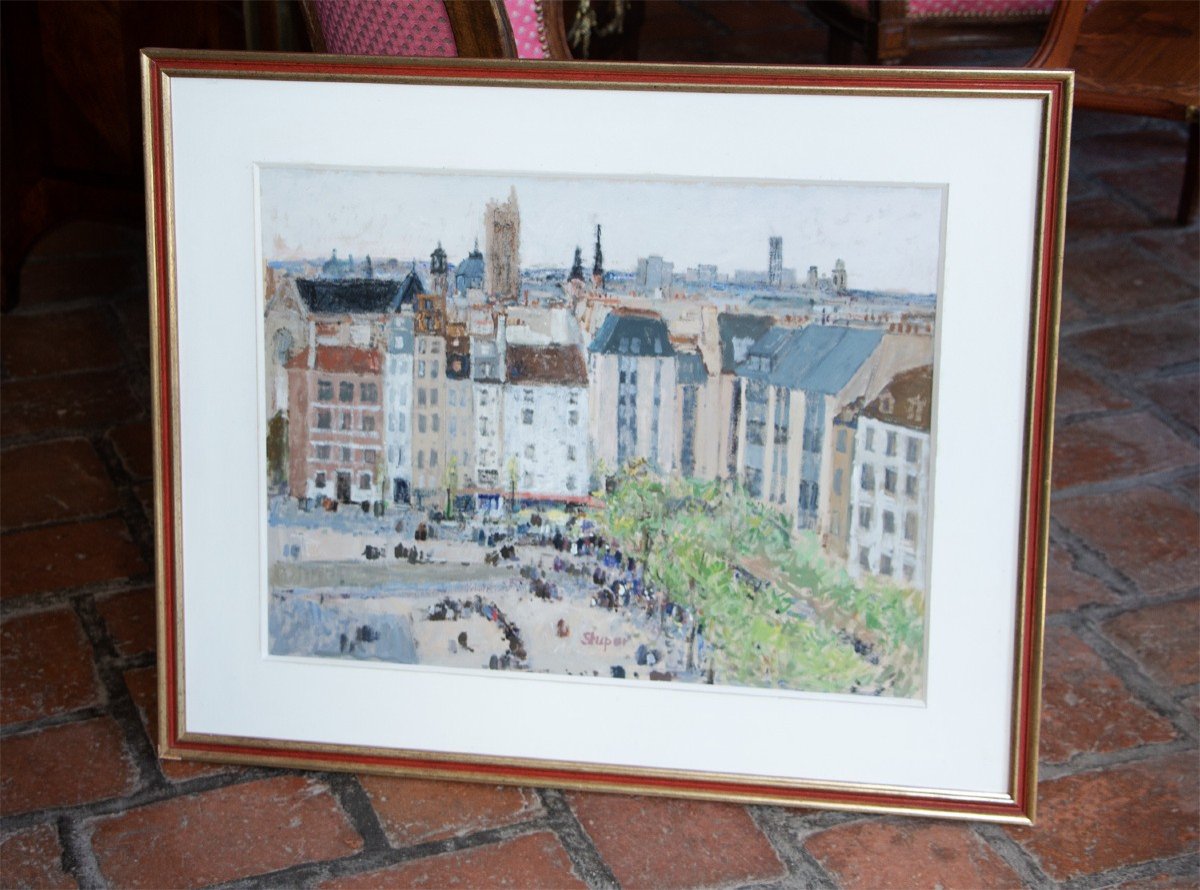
{"x": 733, "y": 327}
{"x": 625, "y": 334}
{"x": 471, "y": 268}
{"x": 821, "y": 358}
{"x": 689, "y": 368}
{"x": 558, "y": 365}
{"x": 906, "y": 401}
{"x": 354, "y": 295}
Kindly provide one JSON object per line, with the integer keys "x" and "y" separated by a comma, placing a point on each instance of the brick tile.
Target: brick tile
{"x": 1155, "y": 187}
{"x": 1139, "y": 346}
{"x": 1115, "y": 277}
{"x": 65, "y": 556}
{"x": 1173, "y": 248}
{"x": 413, "y": 811}
{"x": 142, "y": 684}
{"x": 77, "y": 402}
{"x": 1096, "y": 821}
{"x": 1147, "y": 534}
{"x": 675, "y": 843}
{"x": 61, "y": 341}
{"x": 58, "y": 480}
{"x": 134, "y": 445}
{"x": 1179, "y": 397}
{"x": 1163, "y": 639}
{"x": 1079, "y": 392}
{"x": 1067, "y": 588}
{"x": 73, "y": 278}
{"x": 880, "y": 854}
{"x": 536, "y": 860}
{"x": 1105, "y": 448}
{"x": 46, "y": 666}
{"x": 64, "y": 766}
{"x": 223, "y": 835}
{"x": 129, "y": 618}
{"x": 1086, "y": 707}
{"x": 1098, "y": 213}
{"x": 90, "y": 237}
{"x": 33, "y": 858}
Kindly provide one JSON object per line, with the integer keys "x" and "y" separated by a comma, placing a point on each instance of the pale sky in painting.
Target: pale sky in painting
{"x": 889, "y": 236}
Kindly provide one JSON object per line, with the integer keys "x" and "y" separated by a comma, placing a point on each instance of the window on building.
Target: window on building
{"x": 837, "y": 481}
{"x": 325, "y": 390}
{"x": 433, "y": 369}
{"x": 324, "y": 419}
{"x": 527, "y": 416}
{"x": 530, "y": 452}
{"x": 364, "y": 481}
{"x": 345, "y": 391}
{"x": 420, "y": 460}
{"x": 421, "y": 368}
{"x": 910, "y": 526}
{"x": 570, "y": 483}
{"x": 453, "y": 424}
{"x": 914, "y": 450}
{"x": 864, "y": 557}
{"x": 433, "y": 396}
{"x": 320, "y": 480}
{"x": 422, "y": 396}
{"x": 323, "y": 452}
{"x": 885, "y": 565}
{"x": 421, "y": 344}
{"x": 346, "y": 454}
{"x": 527, "y": 396}
{"x": 421, "y": 423}
{"x": 432, "y": 458}
{"x": 368, "y": 392}
{"x": 889, "y": 481}
{"x": 570, "y": 452}
{"x": 400, "y": 423}
{"x": 391, "y": 422}
{"x": 347, "y": 420}
{"x": 841, "y": 441}
{"x": 891, "y": 444}
{"x": 868, "y": 477}
{"x": 368, "y": 423}
{"x": 889, "y": 522}
{"x": 864, "y": 517}
{"x": 573, "y": 418}
{"x": 572, "y": 398}
{"x": 368, "y": 456}
{"x": 910, "y": 485}
{"x": 869, "y": 439}
{"x": 436, "y": 421}
{"x": 435, "y": 347}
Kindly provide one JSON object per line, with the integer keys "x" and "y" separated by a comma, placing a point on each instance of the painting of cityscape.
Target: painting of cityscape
{"x": 644, "y": 430}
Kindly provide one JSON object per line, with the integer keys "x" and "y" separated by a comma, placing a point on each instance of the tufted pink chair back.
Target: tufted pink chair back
{"x": 415, "y": 27}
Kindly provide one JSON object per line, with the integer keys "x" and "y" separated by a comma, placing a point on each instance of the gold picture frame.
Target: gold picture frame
{"x": 993, "y": 142}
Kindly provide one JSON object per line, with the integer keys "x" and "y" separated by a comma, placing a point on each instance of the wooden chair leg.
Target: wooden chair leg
{"x": 1191, "y": 175}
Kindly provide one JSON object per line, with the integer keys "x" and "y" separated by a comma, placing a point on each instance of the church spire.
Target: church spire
{"x": 598, "y": 261}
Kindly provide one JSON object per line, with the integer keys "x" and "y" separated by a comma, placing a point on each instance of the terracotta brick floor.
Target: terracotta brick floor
{"x": 84, "y": 802}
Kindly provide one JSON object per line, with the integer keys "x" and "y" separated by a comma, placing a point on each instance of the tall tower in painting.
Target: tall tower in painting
{"x": 577, "y": 267}
{"x": 437, "y": 270}
{"x": 775, "y": 262}
{"x": 502, "y": 223}
{"x": 598, "y": 262}
{"x": 839, "y": 277}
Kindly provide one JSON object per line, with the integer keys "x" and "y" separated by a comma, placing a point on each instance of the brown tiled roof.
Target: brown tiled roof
{"x": 907, "y": 401}
{"x": 558, "y": 365}
{"x": 341, "y": 360}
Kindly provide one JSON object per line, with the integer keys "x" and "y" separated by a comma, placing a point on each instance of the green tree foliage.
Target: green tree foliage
{"x": 771, "y": 607}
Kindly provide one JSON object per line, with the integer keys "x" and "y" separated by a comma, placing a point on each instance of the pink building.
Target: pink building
{"x": 335, "y": 424}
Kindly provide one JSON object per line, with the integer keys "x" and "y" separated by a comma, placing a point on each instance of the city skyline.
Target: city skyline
{"x": 888, "y": 235}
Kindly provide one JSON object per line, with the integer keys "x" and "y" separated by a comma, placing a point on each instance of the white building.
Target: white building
{"x": 397, "y": 394}
{"x": 889, "y": 516}
{"x": 545, "y": 423}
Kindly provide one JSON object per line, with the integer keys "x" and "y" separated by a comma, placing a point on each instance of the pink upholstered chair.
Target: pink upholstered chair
{"x": 524, "y": 29}
{"x": 889, "y": 30}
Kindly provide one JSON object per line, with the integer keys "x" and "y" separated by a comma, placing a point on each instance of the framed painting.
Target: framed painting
{"x": 674, "y": 430}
